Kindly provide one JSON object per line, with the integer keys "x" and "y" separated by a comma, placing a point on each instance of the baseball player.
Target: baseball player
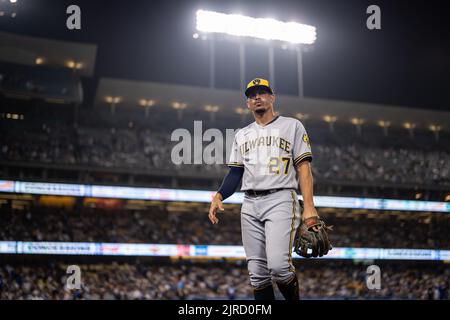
{"x": 268, "y": 155}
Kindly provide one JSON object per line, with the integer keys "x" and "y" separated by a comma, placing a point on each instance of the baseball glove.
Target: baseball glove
{"x": 311, "y": 238}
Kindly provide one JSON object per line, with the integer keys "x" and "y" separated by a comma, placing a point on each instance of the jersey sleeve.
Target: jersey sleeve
{"x": 302, "y": 147}
{"x": 236, "y": 159}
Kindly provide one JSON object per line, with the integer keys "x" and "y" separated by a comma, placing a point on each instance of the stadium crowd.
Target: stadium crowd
{"x": 144, "y": 149}
{"x": 407, "y": 230}
{"x": 113, "y": 281}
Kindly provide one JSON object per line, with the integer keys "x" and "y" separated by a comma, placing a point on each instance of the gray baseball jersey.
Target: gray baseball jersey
{"x": 269, "y": 153}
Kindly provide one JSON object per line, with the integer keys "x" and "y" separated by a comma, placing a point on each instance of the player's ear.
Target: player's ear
{"x": 273, "y": 98}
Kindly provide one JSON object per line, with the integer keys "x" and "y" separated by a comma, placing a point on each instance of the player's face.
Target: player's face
{"x": 260, "y": 100}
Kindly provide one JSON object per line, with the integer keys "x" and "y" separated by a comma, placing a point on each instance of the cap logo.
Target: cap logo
{"x": 256, "y": 82}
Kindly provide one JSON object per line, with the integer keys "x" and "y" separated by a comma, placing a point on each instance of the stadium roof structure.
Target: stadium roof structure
{"x": 27, "y": 50}
{"x": 131, "y": 92}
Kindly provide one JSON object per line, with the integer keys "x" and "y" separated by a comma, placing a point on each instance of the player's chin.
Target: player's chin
{"x": 260, "y": 110}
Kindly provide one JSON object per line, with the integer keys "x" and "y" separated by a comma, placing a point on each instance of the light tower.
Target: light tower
{"x": 113, "y": 101}
{"x": 288, "y": 34}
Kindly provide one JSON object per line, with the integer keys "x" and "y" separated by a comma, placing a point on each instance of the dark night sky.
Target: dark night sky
{"x": 405, "y": 63}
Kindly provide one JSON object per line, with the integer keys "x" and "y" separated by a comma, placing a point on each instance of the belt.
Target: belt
{"x": 260, "y": 193}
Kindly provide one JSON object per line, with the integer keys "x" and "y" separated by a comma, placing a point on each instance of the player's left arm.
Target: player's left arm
{"x": 302, "y": 156}
{"x": 305, "y": 181}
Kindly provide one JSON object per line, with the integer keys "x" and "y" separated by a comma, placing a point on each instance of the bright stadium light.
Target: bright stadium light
{"x": 261, "y": 28}
{"x": 39, "y": 60}
{"x": 330, "y": 120}
{"x": 435, "y": 129}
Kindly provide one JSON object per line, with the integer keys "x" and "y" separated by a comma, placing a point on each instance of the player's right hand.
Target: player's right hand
{"x": 216, "y": 203}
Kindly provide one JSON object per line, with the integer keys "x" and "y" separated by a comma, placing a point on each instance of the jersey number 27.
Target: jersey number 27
{"x": 276, "y": 162}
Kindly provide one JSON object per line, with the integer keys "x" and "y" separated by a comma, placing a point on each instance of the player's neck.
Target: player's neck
{"x": 265, "y": 118}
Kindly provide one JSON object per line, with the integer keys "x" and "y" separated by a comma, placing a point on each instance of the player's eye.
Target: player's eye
{"x": 256, "y": 92}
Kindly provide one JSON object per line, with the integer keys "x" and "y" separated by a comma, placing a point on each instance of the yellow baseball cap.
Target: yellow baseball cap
{"x": 258, "y": 83}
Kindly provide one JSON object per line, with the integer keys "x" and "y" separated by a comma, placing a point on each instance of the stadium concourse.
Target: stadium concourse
{"x": 51, "y": 133}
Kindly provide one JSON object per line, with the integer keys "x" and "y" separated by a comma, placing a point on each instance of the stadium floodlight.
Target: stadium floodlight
{"x": 357, "y": 121}
{"x": 261, "y": 28}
